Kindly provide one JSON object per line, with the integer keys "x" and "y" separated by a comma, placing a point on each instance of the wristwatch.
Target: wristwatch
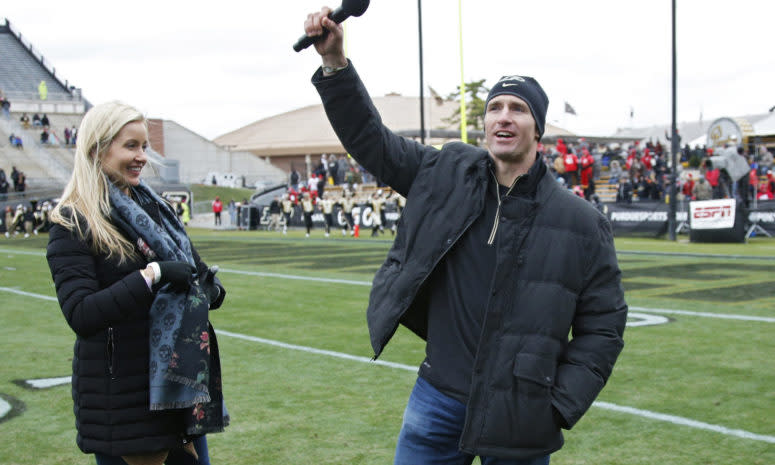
{"x": 332, "y": 70}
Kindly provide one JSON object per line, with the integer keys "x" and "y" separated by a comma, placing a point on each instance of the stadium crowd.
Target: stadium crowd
{"x": 633, "y": 171}
{"x": 18, "y": 182}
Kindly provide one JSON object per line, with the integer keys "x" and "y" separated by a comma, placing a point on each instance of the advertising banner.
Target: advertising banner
{"x": 649, "y": 219}
{"x": 712, "y": 214}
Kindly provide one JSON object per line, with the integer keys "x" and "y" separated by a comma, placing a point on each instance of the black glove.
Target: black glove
{"x": 211, "y": 286}
{"x": 179, "y": 274}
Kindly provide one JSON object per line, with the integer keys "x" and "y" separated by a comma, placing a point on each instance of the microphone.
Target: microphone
{"x": 348, "y": 8}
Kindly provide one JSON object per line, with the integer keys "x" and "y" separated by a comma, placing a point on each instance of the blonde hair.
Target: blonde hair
{"x": 86, "y": 195}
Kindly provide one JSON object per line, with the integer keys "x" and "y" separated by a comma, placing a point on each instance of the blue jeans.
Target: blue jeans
{"x": 430, "y": 434}
{"x": 176, "y": 457}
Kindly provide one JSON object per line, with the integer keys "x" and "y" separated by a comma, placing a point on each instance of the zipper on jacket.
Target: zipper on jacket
{"x": 111, "y": 352}
{"x": 498, "y": 210}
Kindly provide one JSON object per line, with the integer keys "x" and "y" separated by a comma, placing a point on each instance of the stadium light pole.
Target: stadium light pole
{"x": 422, "y": 85}
{"x": 674, "y": 147}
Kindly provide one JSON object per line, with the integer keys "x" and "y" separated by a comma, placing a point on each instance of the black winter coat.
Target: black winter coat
{"x": 106, "y": 304}
{"x": 556, "y": 272}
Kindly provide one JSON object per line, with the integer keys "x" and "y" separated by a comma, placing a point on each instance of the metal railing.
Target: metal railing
{"x": 43, "y": 193}
{"x": 53, "y": 97}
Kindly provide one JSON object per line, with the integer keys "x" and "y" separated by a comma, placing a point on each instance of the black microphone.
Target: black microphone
{"x": 348, "y": 8}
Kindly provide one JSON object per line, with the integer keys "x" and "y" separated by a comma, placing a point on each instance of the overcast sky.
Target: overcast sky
{"x": 215, "y": 66}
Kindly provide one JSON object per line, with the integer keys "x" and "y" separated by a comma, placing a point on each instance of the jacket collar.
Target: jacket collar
{"x": 528, "y": 183}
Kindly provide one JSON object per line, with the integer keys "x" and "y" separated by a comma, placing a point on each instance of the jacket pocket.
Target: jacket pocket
{"x": 533, "y": 424}
{"x": 535, "y": 371}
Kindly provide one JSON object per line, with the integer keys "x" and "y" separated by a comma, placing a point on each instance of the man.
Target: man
{"x": 587, "y": 173}
{"x": 493, "y": 265}
{"x": 307, "y": 209}
{"x": 326, "y": 205}
{"x": 287, "y": 206}
{"x": 6, "y": 106}
{"x": 702, "y": 190}
{"x": 184, "y": 212}
{"x": 275, "y": 210}
{"x": 347, "y": 202}
{"x": 687, "y": 189}
{"x": 377, "y": 212}
{"x": 571, "y": 162}
{"x": 294, "y": 177}
{"x": 14, "y": 177}
{"x": 217, "y": 209}
{"x": 624, "y": 189}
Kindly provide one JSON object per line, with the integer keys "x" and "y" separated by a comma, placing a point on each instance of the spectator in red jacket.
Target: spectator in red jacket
{"x": 753, "y": 182}
{"x": 217, "y": 209}
{"x": 712, "y": 175}
{"x": 688, "y": 187}
{"x": 765, "y": 191}
{"x": 561, "y": 147}
{"x": 587, "y": 167}
{"x": 587, "y": 174}
{"x": 647, "y": 161}
{"x": 571, "y": 162}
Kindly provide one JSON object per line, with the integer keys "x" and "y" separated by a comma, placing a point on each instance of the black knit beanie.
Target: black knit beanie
{"x": 529, "y": 90}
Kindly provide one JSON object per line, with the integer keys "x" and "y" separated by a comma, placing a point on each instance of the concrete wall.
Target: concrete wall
{"x": 199, "y": 156}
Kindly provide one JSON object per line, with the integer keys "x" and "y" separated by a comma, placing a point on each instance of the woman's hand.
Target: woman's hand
{"x": 179, "y": 274}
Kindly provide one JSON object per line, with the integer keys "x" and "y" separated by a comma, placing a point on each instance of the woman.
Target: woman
{"x": 146, "y": 371}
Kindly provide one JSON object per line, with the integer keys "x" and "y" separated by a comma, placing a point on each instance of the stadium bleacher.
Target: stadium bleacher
{"x": 47, "y": 167}
{"x": 21, "y": 70}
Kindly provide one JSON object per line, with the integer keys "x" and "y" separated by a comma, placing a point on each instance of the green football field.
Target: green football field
{"x": 695, "y": 384}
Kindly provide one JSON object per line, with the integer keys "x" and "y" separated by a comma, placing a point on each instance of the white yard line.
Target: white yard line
{"x": 262, "y": 274}
{"x": 27, "y": 294}
{"x": 685, "y": 422}
{"x": 5, "y": 408}
{"x": 290, "y": 276}
{"x": 604, "y": 405}
{"x": 723, "y": 316}
{"x": 44, "y": 383}
{"x": 640, "y": 309}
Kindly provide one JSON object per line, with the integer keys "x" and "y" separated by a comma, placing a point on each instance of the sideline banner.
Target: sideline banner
{"x": 361, "y": 216}
{"x": 649, "y": 219}
{"x": 645, "y": 219}
{"x": 722, "y": 220}
{"x": 712, "y": 214}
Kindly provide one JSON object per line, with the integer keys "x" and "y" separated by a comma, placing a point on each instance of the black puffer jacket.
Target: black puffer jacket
{"x": 556, "y": 272}
{"x": 106, "y": 304}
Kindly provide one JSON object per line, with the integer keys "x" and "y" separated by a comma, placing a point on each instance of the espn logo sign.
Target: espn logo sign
{"x": 712, "y": 214}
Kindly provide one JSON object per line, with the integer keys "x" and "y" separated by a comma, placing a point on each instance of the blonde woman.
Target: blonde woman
{"x": 146, "y": 371}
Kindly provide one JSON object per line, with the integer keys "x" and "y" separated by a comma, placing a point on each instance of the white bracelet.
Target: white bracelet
{"x": 156, "y": 272}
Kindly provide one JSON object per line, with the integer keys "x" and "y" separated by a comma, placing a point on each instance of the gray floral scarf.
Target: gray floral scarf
{"x": 184, "y": 363}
